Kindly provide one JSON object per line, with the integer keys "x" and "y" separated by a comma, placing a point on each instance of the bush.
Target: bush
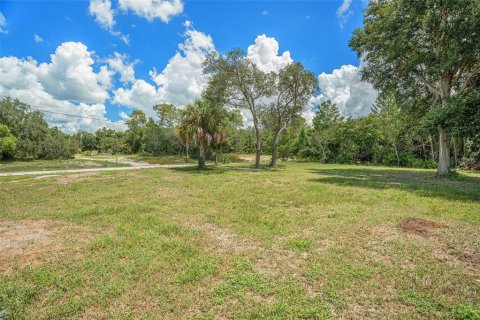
{"x": 8, "y": 143}
{"x": 228, "y": 158}
{"x": 411, "y": 160}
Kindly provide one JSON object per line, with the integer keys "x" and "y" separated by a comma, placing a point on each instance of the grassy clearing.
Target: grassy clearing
{"x": 160, "y": 159}
{"x": 46, "y": 165}
{"x": 305, "y": 241}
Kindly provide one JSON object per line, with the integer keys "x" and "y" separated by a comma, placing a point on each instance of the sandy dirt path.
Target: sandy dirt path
{"x": 137, "y": 167}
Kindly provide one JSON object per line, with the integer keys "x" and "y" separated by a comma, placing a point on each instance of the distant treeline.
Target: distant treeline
{"x": 386, "y": 136}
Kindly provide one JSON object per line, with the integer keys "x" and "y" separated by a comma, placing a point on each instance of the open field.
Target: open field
{"x": 46, "y": 165}
{"x": 160, "y": 159}
{"x": 304, "y": 241}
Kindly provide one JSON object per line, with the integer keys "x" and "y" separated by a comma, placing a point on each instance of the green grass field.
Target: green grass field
{"x": 48, "y": 165}
{"x": 160, "y": 159}
{"x": 304, "y": 241}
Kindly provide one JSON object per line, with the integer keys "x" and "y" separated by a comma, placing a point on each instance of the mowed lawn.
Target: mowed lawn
{"x": 305, "y": 241}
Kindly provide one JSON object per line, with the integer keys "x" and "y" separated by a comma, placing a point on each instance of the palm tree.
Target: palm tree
{"x": 184, "y": 135}
{"x": 219, "y": 138}
{"x": 203, "y": 122}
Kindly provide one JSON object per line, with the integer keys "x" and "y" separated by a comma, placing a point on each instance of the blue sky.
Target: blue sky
{"x": 166, "y": 41}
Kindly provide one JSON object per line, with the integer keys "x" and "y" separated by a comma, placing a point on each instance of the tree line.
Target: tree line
{"x": 387, "y": 136}
{"x": 25, "y": 135}
{"x": 423, "y": 57}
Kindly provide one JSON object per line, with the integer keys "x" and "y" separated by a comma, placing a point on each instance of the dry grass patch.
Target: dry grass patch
{"x": 36, "y": 178}
{"x": 32, "y": 242}
{"x": 453, "y": 244}
{"x": 269, "y": 259}
{"x": 417, "y": 225}
{"x": 72, "y": 178}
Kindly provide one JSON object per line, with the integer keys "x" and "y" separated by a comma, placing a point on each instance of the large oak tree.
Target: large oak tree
{"x": 293, "y": 87}
{"x": 426, "y": 51}
{"x": 238, "y": 82}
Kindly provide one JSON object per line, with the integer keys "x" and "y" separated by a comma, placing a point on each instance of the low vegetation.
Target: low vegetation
{"x": 46, "y": 165}
{"x": 304, "y": 241}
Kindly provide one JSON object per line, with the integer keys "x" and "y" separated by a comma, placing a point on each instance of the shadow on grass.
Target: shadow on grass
{"x": 225, "y": 168}
{"x": 423, "y": 183}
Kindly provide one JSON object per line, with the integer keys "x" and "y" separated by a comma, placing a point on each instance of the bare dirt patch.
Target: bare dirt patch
{"x": 71, "y": 178}
{"x": 32, "y": 242}
{"x": 417, "y": 226}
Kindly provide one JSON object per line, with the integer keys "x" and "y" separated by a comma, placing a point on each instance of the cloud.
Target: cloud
{"x": 344, "y": 12}
{"x": 70, "y": 75}
{"x": 103, "y": 13}
{"x": 264, "y": 53}
{"x": 265, "y": 13}
{"x": 37, "y": 38}
{"x": 67, "y": 89}
{"x": 3, "y": 23}
{"x": 151, "y": 9}
{"x": 345, "y": 88}
{"x": 105, "y": 16}
{"x": 124, "y": 116}
{"x": 180, "y": 82}
{"x": 119, "y": 63}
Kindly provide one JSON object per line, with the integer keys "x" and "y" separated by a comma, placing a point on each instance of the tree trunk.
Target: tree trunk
{"x": 258, "y": 150}
{"x": 201, "y": 158}
{"x": 396, "y": 154}
{"x": 273, "y": 162}
{"x": 443, "y": 153}
{"x": 186, "y": 153}
{"x": 423, "y": 150}
{"x": 216, "y": 155}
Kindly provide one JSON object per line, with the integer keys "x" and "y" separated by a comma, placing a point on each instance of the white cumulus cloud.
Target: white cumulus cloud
{"x": 345, "y": 88}
{"x": 151, "y": 9}
{"x": 103, "y": 13}
{"x": 105, "y": 16}
{"x": 119, "y": 63}
{"x": 67, "y": 89}
{"x": 264, "y": 53}
{"x": 70, "y": 75}
{"x": 180, "y": 82}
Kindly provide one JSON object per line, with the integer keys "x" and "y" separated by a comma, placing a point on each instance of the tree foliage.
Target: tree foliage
{"x": 8, "y": 142}
{"x": 292, "y": 87}
{"x": 425, "y": 51}
{"x": 205, "y": 123}
{"x": 239, "y": 83}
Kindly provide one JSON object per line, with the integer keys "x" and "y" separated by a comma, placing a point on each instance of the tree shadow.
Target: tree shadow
{"x": 421, "y": 182}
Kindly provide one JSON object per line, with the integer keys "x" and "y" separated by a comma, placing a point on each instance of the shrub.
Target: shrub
{"x": 228, "y": 158}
